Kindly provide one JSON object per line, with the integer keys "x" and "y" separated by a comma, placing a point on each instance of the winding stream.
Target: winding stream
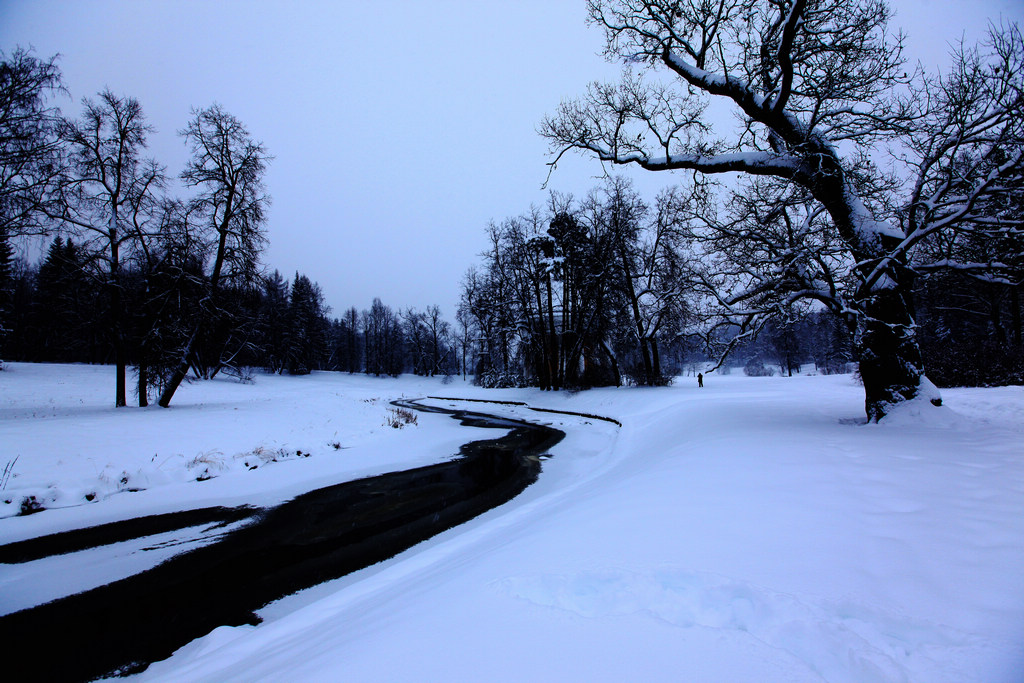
{"x": 121, "y": 627}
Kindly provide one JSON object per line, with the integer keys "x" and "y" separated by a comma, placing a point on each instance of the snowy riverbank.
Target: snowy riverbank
{"x": 747, "y": 531}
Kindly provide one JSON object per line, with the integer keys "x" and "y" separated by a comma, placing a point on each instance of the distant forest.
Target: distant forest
{"x": 606, "y": 289}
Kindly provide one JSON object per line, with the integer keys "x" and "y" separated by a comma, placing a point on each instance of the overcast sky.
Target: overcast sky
{"x": 399, "y": 128}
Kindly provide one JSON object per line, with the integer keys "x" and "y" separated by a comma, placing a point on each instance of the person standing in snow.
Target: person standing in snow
{"x": 700, "y": 379}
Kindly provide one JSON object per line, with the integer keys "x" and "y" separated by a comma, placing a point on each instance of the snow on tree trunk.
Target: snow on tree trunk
{"x": 890, "y": 359}
{"x": 891, "y": 365}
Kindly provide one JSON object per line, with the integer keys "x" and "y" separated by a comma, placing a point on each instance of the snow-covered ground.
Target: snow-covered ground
{"x": 752, "y": 530}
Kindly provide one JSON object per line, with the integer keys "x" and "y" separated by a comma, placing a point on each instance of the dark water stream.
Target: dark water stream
{"x": 318, "y": 536}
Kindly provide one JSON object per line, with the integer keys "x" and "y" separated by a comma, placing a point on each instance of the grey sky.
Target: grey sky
{"x": 399, "y": 128}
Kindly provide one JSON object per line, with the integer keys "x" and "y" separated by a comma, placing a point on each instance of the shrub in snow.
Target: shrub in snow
{"x": 756, "y": 368}
{"x": 207, "y": 465}
{"x": 30, "y": 505}
{"x": 399, "y": 417}
{"x": 260, "y": 456}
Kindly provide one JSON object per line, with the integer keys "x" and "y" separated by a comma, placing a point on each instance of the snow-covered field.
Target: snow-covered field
{"x": 752, "y": 530}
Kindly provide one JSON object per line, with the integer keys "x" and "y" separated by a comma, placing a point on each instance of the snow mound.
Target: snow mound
{"x": 926, "y": 410}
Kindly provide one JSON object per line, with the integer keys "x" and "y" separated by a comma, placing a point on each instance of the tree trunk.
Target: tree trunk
{"x": 886, "y": 344}
{"x": 655, "y": 362}
{"x": 996, "y": 318}
{"x": 614, "y": 362}
{"x": 117, "y": 316}
{"x": 117, "y": 334}
{"x": 1015, "y": 315}
{"x": 544, "y": 364}
{"x": 638, "y": 320}
{"x": 121, "y": 379}
{"x": 178, "y": 375}
{"x": 553, "y": 356}
{"x": 143, "y": 385}
{"x": 890, "y": 359}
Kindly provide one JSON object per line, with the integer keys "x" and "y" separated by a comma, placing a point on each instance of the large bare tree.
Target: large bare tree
{"x": 227, "y": 168}
{"x": 106, "y": 195}
{"x": 818, "y": 87}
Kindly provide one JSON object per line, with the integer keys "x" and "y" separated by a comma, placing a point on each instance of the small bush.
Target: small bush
{"x": 30, "y": 505}
{"x": 209, "y": 463}
{"x": 260, "y": 456}
{"x": 399, "y": 417}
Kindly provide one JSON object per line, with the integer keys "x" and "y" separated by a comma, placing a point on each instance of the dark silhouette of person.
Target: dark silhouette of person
{"x": 700, "y": 379}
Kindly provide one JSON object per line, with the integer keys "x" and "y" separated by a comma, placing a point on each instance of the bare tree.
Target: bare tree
{"x": 415, "y": 333}
{"x": 466, "y": 330}
{"x": 227, "y": 167}
{"x": 107, "y": 194}
{"x": 352, "y": 358}
{"x": 167, "y": 272}
{"x": 29, "y": 140}
{"x": 817, "y": 84}
{"x": 438, "y": 333}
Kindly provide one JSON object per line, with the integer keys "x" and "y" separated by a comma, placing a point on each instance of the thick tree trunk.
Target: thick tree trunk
{"x": 117, "y": 316}
{"x": 117, "y": 334}
{"x": 890, "y": 359}
{"x": 655, "y": 362}
{"x": 614, "y": 362}
{"x": 178, "y": 375}
{"x": 121, "y": 379}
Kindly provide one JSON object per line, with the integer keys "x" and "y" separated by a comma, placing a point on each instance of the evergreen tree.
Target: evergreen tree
{"x": 307, "y": 327}
{"x": 274, "y": 322}
{"x": 66, "y": 307}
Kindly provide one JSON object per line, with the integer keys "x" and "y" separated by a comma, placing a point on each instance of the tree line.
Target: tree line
{"x": 616, "y": 289}
{"x": 58, "y": 313}
{"x": 581, "y": 293}
{"x": 604, "y": 291}
{"x": 872, "y": 213}
{"x": 168, "y": 287}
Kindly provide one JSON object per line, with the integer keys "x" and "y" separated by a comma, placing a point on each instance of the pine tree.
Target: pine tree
{"x": 274, "y": 321}
{"x": 307, "y": 327}
{"x": 66, "y": 306}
